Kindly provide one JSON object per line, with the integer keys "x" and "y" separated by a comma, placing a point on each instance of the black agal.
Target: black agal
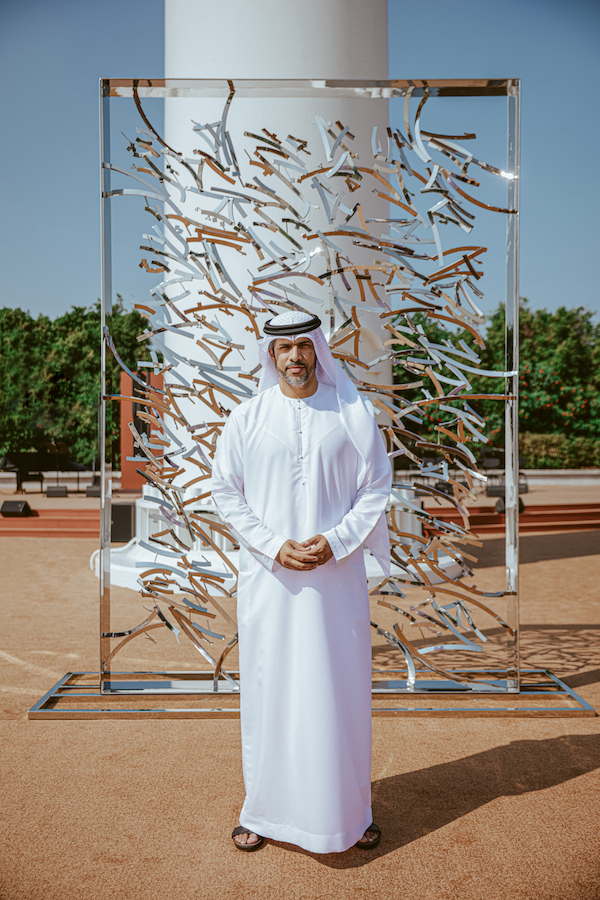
{"x": 296, "y": 328}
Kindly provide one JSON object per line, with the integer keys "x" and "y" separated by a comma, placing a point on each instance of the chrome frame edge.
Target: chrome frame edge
{"x": 106, "y": 308}
{"x": 42, "y": 709}
{"x": 511, "y": 411}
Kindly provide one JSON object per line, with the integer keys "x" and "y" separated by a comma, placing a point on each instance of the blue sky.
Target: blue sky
{"x": 52, "y": 53}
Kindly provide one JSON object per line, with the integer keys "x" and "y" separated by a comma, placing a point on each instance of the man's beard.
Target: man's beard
{"x": 298, "y": 380}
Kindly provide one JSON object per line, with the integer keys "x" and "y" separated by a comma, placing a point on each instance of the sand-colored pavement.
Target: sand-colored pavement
{"x": 470, "y": 808}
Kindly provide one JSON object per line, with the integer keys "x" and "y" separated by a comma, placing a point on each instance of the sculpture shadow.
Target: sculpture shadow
{"x": 572, "y": 652}
{"x": 411, "y": 805}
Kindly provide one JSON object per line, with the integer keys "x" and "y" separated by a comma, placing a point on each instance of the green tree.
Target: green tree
{"x": 25, "y": 344}
{"x": 559, "y": 378}
{"x": 559, "y": 371}
{"x": 50, "y": 373}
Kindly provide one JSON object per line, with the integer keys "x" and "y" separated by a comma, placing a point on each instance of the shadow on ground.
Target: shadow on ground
{"x": 540, "y": 547}
{"x": 572, "y": 652}
{"x": 414, "y": 804}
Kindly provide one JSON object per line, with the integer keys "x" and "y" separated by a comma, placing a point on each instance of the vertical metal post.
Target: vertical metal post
{"x": 105, "y": 434}
{"x": 511, "y": 418}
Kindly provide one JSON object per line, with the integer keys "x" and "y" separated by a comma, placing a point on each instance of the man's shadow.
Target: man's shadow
{"x": 409, "y": 806}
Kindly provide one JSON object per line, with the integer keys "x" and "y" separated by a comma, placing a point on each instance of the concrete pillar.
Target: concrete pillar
{"x": 308, "y": 39}
{"x": 276, "y": 39}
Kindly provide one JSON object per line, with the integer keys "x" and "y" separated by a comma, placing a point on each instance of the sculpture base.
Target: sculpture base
{"x": 77, "y": 696}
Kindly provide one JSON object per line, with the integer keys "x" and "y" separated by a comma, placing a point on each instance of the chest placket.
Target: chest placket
{"x": 302, "y": 450}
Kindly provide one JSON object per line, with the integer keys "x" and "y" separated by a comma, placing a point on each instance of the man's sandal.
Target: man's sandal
{"x": 368, "y": 845}
{"x": 248, "y": 848}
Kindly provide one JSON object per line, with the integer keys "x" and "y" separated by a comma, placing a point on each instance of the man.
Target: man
{"x": 302, "y": 478}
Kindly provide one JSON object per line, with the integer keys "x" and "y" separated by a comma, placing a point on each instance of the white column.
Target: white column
{"x": 276, "y": 39}
{"x": 256, "y": 39}
{"x": 265, "y": 39}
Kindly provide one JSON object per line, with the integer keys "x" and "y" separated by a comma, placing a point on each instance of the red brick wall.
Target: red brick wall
{"x": 130, "y": 479}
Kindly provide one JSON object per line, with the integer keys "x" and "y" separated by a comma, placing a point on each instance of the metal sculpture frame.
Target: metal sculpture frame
{"x": 77, "y": 696}
{"x": 455, "y": 617}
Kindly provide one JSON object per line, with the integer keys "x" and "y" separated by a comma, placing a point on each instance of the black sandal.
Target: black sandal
{"x": 368, "y": 845}
{"x": 248, "y": 848}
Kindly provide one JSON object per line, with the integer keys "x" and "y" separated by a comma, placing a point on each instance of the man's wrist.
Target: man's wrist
{"x": 337, "y": 548}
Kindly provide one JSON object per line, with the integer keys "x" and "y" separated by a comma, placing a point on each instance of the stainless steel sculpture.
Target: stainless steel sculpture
{"x": 241, "y": 229}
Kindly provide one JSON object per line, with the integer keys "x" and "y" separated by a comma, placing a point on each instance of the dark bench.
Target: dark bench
{"x": 496, "y": 485}
{"x": 31, "y": 466}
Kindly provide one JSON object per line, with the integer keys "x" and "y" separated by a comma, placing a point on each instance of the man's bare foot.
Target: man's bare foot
{"x": 246, "y": 838}
{"x": 367, "y": 837}
{"x": 370, "y": 838}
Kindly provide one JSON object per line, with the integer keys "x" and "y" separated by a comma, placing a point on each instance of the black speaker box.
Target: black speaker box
{"x": 501, "y": 505}
{"x": 122, "y": 522}
{"x": 56, "y": 490}
{"x": 16, "y": 508}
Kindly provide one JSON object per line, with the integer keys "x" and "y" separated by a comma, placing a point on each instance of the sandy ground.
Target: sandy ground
{"x": 470, "y": 808}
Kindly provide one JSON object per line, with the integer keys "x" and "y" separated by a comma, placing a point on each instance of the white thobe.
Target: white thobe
{"x": 287, "y": 468}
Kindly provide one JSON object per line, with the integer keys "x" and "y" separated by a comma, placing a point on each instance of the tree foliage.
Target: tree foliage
{"x": 559, "y": 371}
{"x": 559, "y": 374}
{"x": 50, "y": 376}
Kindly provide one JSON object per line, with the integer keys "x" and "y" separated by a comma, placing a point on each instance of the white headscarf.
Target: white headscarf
{"x": 356, "y": 412}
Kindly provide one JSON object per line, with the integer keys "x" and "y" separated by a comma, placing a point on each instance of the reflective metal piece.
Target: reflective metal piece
{"x": 511, "y": 409}
{"x": 105, "y": 413}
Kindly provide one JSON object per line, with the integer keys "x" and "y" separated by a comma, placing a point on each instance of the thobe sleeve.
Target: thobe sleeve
{"x": 228, "y": 496}
{"x": 369, "y": 506}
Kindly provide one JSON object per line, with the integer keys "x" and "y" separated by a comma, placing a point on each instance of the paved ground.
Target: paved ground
{"x": 37, "y": 500}
{"x": 471, "y": 809}
{"x": 544, "y": 495}
{"x": 539, "y": 494}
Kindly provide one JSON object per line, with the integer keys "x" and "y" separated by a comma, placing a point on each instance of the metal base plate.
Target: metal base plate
{"x": 77, "y": 696}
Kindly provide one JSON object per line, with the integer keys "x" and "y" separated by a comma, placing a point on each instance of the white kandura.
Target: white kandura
{"x": 287, "y": 468}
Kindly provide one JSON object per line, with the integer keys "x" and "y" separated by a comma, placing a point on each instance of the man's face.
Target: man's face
{"x": 295, "y": 361}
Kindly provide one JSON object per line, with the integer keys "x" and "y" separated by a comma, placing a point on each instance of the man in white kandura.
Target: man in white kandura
{"x": 302, "y": 478}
